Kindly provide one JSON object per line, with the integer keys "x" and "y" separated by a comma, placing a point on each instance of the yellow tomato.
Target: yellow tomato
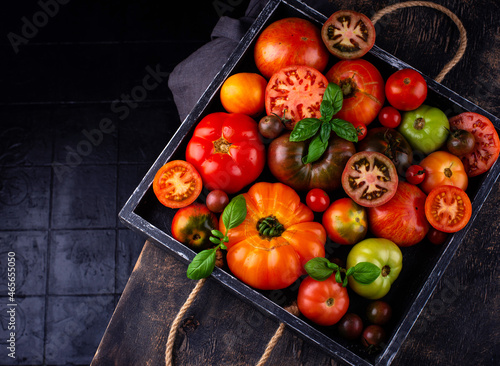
{"x": 244, "y": 93}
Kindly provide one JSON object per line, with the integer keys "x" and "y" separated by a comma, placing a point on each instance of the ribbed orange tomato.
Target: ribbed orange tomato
{"x": 442, "y": 168}
{"x": 269, "y": 249}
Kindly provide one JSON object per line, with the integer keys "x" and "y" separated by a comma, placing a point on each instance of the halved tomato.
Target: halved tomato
{"x": 448, "y": 208}
{"x": 370, "y": 178}
{"x": 348, "y": 34}
{"x": 295, "y": 93}
{"x": 487, "y": 143}
{"x": 177, "y": 184}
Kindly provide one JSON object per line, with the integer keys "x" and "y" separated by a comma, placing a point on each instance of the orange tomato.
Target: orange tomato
{"x": 443, "y": 168}
{"x": 269, "y": 249}
{"x": 244, "y": 93}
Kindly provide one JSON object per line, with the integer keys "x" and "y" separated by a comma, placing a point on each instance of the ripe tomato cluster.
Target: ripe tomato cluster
{"x": 363, "y": 189}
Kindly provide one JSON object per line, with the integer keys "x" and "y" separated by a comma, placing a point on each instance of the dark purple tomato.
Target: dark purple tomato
{"x": 217, "y": 200}
{"x": 373, "y": 336}
{"x": 378, "y": 312}
{"x": 461, "y": 142}
{"x": 271, "y": 126}
{"x": 350, "y": 326}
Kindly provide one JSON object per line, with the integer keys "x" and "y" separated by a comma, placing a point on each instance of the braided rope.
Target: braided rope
{"x": 463, "y": 33}
{"x": 270, "y": 346}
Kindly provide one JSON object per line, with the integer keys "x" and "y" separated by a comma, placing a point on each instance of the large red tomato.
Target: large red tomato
{"x": 402, "y": 219}
{"x": 363, "y": 89}
{"x": 295, "y": 92}
{"x": 290, "y": 41}
{"x": 227, "y": 151}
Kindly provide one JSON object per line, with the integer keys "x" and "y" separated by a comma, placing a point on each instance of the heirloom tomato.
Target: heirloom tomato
{"x": 487, "y": 143}
{"x": 269, "y": 249}
{"x": 406, "y": 89}
{"x": 345, "y": 221}
{"x": 271, "y": 126}
{"x": 348, "y": 34}
{"x": 385, "y": 255}
{"x": 192, "y": 226}
{"x": 443, "y": 168}
{"x": 217, "y": 200}
{"x": 426, "y": 128}
{"x": 284, "y": 159}
{"x": 177, "y": 184}
{"x": 363, "y": 88}
{"x": 289, "y": 41}
{"x": 294, "y": 93}
{"x": 370, "y": 178}
{"x": 448, "y": 208}
{"x": 322, "y": 302}
{"x": 460, "y": 142}
{"x": 391, "y": 143}
{"x": 317, "y": 200}
{"x": 402, "y": 220}
{"x": 227, "y": 151}
{"x": 244, "y": 93}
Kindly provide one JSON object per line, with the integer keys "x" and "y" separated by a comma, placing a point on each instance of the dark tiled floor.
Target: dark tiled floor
{"x": 72, "y": 149}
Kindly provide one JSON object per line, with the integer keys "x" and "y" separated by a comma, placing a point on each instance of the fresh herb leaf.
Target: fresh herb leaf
{"x": 366, "y": 272}
{"x": 338, "y": 277}
{"x": 333, "y": 94}
{"x": 305, "y": 129}
{"x": 324, "y": 132}
{"x": 214, "y": 240}
{"x": 326, "y": 109}
{"x": 235, "y": 212}
{"x": 318, "y": 268}
{"x": 344, "y": 129}
{"x": 217, "y": 233}
{"x": 316, "y": 148}
{"x": 202, "y": 264}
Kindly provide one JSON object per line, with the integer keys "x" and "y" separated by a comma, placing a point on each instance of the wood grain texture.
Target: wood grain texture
{"x": 458, "y": 326}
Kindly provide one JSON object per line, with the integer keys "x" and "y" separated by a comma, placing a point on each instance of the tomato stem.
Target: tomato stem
{"x": 385, "y": 271}
{"x": 269, "y": 227}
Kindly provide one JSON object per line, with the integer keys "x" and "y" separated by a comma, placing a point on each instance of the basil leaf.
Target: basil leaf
{"x": 334, "y": 95}
{"x": 235, "y": 212}
{"x": 305, "y": 129}
{"x": 316, "y": 148}
{"x": 326, "y": 110}
{"x": 318, "y": 268}
{"x": 202, "y": 264}
{"x": 217, "y": 233}
{"x": 366, "y": 272}
{"x": 324, "y": 132}
{"x": 338, "y": 277}
{"x": 344, "y": 129}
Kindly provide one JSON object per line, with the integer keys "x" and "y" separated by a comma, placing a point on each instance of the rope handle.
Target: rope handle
{"x": 279, "y": 332}
{"x": 463, "y": 33}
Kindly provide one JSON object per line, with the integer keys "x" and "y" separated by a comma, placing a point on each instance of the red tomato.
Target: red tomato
{"x": 317, "y": 200}
{"x": 487, "y": 143}
{"x": 448, "y": 208}
{"x": 402, "y": 219}
{"x": 192, "y": 226}
{"x": 345, "y": 221}
{"x": 217, "y": 200}
{"x": 406, "y": 89}
{"x": 295, "y": 93}
{"x": 177, "y": 184}
{"x": 363, "y": 89}
{"x": 322, "y": 302}
{"x": 348, "y": 34}
{"x": 290, "y": 41}
{"x": 443, "y": 168}
{"x": 244, "y": 93}
{"x": 361, "y": 130}
{"x": 389, "y": 117}
{"x": 227, "y": 151}
{"x": 415, "y": 174}
{"x": 436, "y": 237}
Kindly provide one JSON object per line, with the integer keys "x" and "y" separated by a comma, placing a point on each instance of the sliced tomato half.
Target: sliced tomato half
{"x": 295, "y": 93}
{"x": 177, "y": 184}
{"x": 448, "y": 208}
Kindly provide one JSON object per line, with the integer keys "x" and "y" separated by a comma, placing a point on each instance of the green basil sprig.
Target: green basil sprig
{"x": 203, "y": 263}
{"x": 321, "y": 268}
{"x": 319, "y": 129}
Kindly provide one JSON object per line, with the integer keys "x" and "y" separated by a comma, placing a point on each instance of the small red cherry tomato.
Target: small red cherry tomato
{"x": 317, "y": 200}
{"x": 361, "y": 130}
{"x": 415, "y": 174}
{"x": 436, "y": 237}
{"x": 389, "y": 117}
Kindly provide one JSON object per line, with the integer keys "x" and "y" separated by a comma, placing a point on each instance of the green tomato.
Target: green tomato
{"x": 385, "y": 255}
{"x": 426, "y": 128}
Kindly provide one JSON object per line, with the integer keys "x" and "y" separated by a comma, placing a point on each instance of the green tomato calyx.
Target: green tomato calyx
{"x": 269, "y": 227}
{"x": 385, "y": 271}
{"x": 419, "y": 123}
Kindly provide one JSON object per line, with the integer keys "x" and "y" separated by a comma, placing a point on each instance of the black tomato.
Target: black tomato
{"x": 373, "y": 336}
{"x": 378, "y": 312}
{"x": 271, "y": 126}
{"x": 460, "y": 142}
{"x": 350, "y": 326}
{"x": 217, "y": 200}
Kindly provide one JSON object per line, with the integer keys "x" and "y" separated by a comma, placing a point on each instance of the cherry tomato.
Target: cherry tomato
{"x": 378, "y": 312}
{"x": 217, "y": 200}
{"x": 460, "y": 142}
{"x": 244, "y": 93}
{"x": 295, "y": 92}
{"x": 177, "y": 184}
{"x": 348, "y": 34}
{"x": 317, "y": 200}
{"x": 271, "y": 126}
{"x": 322, "y": 302}
{"x": 443, "y": 168}
{"x": 350, "y": 326}
{"x": 448, "y": 208}
{"x": 415, "y": 174}
{"x": 361, "y": 130}
{"x": 389, "y": 117}
{"x": 436, "y": 237}
{"x": 406, "y": 89}
{"x": 373, "y": 335}
{"x": 192, "y": 226}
